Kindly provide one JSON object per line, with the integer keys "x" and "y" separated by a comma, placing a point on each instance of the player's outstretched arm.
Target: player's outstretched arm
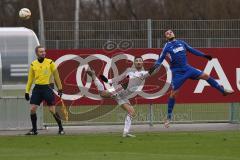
{"x": 158, "y": 62}
{"x": 152, "y": 69}
{"x": 208, "y": 57}
{"x": 197, "y": 52}
{"x": 115, "y": 80}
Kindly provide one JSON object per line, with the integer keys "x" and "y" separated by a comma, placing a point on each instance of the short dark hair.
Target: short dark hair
{"x": 36, "y": 49}
{"x": 136, "y": 57}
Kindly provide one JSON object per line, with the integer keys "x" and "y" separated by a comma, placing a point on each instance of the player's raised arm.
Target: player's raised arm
{"x": 159, "y": 61}
{"x": 196, "y": 52}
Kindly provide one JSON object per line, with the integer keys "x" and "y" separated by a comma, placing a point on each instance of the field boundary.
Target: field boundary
{"x": 75, "y": 130}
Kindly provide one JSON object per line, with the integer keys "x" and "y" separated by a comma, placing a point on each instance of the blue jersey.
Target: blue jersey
{"x": 177, "y": 51}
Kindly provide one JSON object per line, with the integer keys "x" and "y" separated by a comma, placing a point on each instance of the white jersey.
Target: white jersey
{"x": 135, "y": 79}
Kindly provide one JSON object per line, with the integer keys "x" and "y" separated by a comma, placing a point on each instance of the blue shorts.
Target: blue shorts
{"x": 42, "y": 92}
{"x": 181, "y": 75}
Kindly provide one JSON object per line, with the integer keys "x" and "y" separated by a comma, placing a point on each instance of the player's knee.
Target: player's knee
{"x": 173, "y": 95}
{"x": 52, "y": 110}
{"x": 33, "y": 109}
{"x": 102, "y": 94}
{"x": 204, "y": 76}
{"x": 133, "y": 114}
{"x": 106, "y": 94}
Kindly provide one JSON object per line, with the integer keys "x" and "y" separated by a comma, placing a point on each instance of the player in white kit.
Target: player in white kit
{"x": 123, "y": 86}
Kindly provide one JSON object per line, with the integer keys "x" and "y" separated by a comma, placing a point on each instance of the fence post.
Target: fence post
{"x": 39, "y": 30}
{"x": 57, "y": 44}
{"x": 150, "y": 115}
{"x": 76, "y": 27}
{"x": 231, "y": 113}
{"x": 41, "y": 23}
{"x": 158, "y": 43}
{"x": 209, "y": 42}
{"x": 149, "y": 32}
{"x": 0, "y": 75}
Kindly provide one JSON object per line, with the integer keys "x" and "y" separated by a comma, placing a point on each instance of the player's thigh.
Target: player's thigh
{"x": 36, "y": 97}
{"x": 178, "y": 80}
{"x": 129, "y": 108}
{"x": 195, "y": 73}
{"x": 105, "y": 94}
{"x": 48, "y": 96}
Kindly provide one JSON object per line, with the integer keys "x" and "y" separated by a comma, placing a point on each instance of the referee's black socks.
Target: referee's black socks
{"x": 34, "y": 122}
{"x": 58, "y": 120}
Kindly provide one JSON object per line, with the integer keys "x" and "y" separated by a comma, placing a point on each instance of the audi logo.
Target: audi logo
{"x": 110, "y": 65}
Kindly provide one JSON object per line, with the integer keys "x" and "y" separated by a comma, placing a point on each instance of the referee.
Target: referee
{"x": 41, "y": 71}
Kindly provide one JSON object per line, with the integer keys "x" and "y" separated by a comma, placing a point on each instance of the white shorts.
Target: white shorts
{"x": 122, "y": 101}
{"x": 120, "y": 95}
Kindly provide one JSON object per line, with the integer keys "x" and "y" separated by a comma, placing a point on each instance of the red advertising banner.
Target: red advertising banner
{"x": 79, "y": 88}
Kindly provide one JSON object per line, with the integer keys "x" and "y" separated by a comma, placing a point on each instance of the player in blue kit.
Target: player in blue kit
{"x": 176, "y": 50}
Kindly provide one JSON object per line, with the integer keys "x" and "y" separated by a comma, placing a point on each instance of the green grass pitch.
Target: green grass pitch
{"x": 146, "y": 146}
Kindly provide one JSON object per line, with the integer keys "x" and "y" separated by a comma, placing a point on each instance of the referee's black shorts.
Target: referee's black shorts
{"x": 42, "y": 92}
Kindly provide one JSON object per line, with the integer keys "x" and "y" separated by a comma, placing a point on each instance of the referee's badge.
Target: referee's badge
{"x": 45, "y": 72}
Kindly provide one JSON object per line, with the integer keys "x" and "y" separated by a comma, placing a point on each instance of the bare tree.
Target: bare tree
{"x": 131, "y": 9}
{"x": 61, "y": 10}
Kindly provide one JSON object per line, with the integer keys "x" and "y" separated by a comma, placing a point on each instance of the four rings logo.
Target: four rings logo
{"x": 110, "y": 65}
{"x": 84, "y": 82}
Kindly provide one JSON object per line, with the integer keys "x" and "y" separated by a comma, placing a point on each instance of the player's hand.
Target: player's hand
{"x": 27, "y": 96}
{"x": 208, "y": 57}
{"x": 103, "y": 78}
{"x": 60, "y": 92}
{"x": 152, "y": 69}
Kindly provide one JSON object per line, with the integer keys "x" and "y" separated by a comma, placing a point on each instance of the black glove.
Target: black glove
{"x": 27, "y": 96}
{"x": 103, "y": 78}
{"x": 152, "y": 69}
{"x": 60, "y": 92}
{"x": 208, "y": 57}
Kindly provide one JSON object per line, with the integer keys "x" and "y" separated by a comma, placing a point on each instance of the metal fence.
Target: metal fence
{"x": 141, "y": 33}
{"x": 145, "y": 34}
{"x": 149, "y": 114}
{"x": 15, "y": 114}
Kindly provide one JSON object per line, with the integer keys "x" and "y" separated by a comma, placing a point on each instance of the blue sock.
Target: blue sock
{"x": 171, "y": 102}
{"x": 214, "y": 84}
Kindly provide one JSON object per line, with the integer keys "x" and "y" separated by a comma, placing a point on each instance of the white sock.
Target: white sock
{"x": 99, "y": 85}
{"x": 128, "y": 122}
